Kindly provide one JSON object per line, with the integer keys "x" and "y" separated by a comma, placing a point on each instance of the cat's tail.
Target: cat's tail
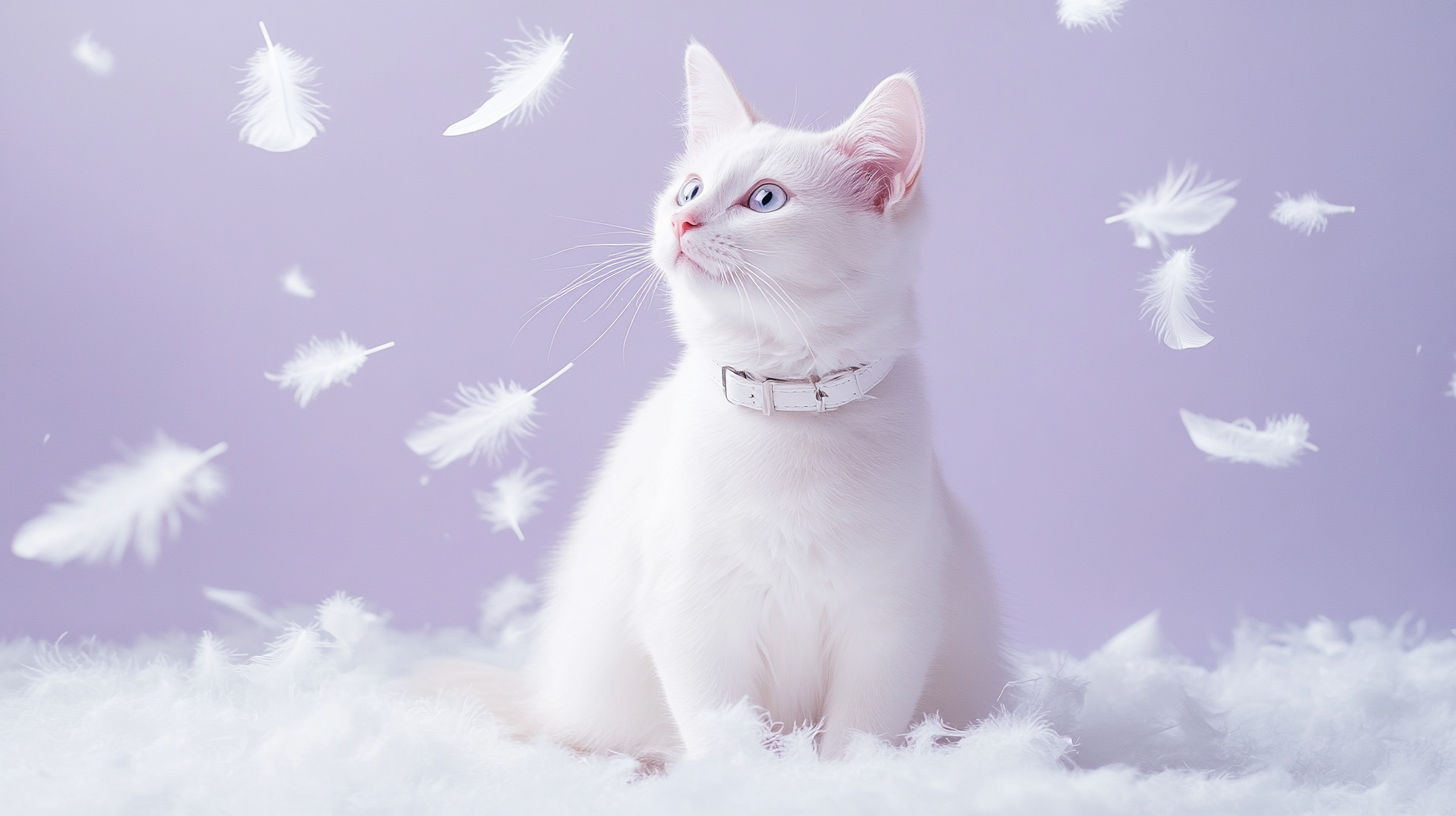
{"x": 500, "y": 691}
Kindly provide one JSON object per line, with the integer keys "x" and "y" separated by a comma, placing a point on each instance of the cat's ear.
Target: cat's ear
{"x": 714, "y": 107}
{"x": 886, "y": 138}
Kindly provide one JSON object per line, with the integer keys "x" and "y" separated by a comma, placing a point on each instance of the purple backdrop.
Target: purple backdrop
{"x": 141, "y": 245}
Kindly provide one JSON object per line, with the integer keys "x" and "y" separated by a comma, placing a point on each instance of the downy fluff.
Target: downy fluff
{"x": 1086, "y": 14}
{"x": 1179, "y": 205}
{"x": 113, "y": 506}
{"x": 522, "y": 86}
{"x": 279, "y": 111}
{"x": 295, "y": 283}
{"x": 1172, "y": 290}
{"x": 515, "y": 498}
{"x": 1279, "y": 445}
{"x": 1306, "y": 214}
{"x": 812, "y": 564}
{"x": 319, "y": 364}
{"x": 485, "y": 421}
{"x": 95, "y": 56}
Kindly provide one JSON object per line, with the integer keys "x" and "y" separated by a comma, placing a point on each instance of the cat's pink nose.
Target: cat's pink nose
{"x": 683, "y": 223}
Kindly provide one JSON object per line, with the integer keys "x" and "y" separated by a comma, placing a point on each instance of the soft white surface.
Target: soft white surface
{"x": 1322, "y": 719}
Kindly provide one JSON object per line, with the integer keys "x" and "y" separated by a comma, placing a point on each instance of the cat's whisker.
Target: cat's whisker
{"x": 609, "y": 327}
{"x": 640, "y": 245}
{"x": 598, "y": 271}
{"x": 559, "y": 323}
{"x": 758, "y": 278}
{"x": 651, "y": 286}
{"x": 619, "y": 227}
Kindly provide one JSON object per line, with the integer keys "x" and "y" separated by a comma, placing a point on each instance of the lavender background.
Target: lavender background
{"x": 141, "y": 245}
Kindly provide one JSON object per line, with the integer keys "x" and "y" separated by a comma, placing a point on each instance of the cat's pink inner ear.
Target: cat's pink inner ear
{"x": 886, "y": 138}
{"x": 714, "y": 106}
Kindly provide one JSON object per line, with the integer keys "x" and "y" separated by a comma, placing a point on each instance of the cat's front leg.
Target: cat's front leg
{"x": 881, "y": 660}
{"x": 705, "y": 660}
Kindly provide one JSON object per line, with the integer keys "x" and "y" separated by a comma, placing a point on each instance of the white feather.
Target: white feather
{"x": 94, "y": 55}
{"x": 318, "y": 364}
{"x": 1172, "y": 290}
{"x": 1281, "y": 442}
{"x": 243, "y": 603}
{"x": 289, "y": 660}
{"x": 515, "y": 500}
{"x": 294, "y": 283}
{"x": 279, "y": 111}
{"x": 487, "y": 418}
{"x": 119, "y": 503}
{"x": 1088, "y": 13}
{"x": 1307, "y": 213}
{"x": 345, "y": 619}
{"x": 1177, "y": 206}
{"x": 1451, "y": 389}
{"x": 522, "y": 84}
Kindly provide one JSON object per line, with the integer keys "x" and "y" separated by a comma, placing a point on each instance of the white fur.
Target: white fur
{"x": 814, "y": 564}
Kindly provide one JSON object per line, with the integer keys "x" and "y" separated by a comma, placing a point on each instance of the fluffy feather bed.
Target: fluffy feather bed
{"x": 1323, "y": 719}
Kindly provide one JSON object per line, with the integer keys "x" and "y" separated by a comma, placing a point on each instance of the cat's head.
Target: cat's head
{"x": 790, "y": 252}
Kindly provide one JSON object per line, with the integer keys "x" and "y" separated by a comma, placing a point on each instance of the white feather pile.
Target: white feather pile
{"x": 243, "y": 603}
{"x": 1281, "y": 443}
{"x": 1179, "y": 205}
{"x": 1086, "y": 14}
{"x": 280, "y": 110}
{"x": 1307, "y": 213}
{"x": 515, "y": 499}
{"x": 318, "y": 364}
{"x": 294, "y": 283}
{"x": 522, "y": 84}
{"x": 1172, "y": 290}
{"x": 486, "y": 419}
{"x": 1322, "y": 719}
{"x": 94, "y": 55}
{"x": 122, "y": 503}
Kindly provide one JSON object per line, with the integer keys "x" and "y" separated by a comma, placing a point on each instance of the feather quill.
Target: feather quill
{"x": 1280, "y": 444}
{"x": 318, "y": 364}
{"x": 121, "y": 503}
{"x": 515, "y": 499}
{"x": 1307, "y": 213}
{"x": 1179, "y": 205}
{"x": 94, "y": 55}
{"x": 1172, "y": 290}
{"x": 522, "y": 85}
{"x": 280, "y": 110}
{"x": 487, "y": 418}
{"x": 1085, "y": 14}
{"x": 294, "y": 283}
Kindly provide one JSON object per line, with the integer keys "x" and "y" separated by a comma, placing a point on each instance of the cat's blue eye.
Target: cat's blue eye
{"x": 689, "y": 191}
{"x": 767, "y": 197}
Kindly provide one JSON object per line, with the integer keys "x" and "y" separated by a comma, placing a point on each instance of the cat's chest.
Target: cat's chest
{"x": 726, "y": 478}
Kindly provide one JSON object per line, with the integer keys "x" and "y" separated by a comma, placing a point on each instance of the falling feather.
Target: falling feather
{"x": 1307, "y": 213}
{"x": 94, "y": 55}
{"x": 294, "y": 283}
{"x": 117, "y": 504}
{"x": 1177, "y": 206}
{"x": 1281, "y": 442}
{"x": 487, "y": 418}
{"x": 514, "y": 500}
{"x": 522, "y": 85}
{"x": 318, "y": 364}
{"x": 1451, "y": 389}
{"x": 243, "y": 603}
{"x": 1172, "y": 290}
{"x": 1088, "y": 13}
{"x": 279, "y": 111}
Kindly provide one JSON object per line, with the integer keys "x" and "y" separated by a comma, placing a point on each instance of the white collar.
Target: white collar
{"x": 818, "y": 394}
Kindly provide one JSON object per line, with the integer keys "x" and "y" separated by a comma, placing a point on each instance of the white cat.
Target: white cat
{"x": 805, "y": 556}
